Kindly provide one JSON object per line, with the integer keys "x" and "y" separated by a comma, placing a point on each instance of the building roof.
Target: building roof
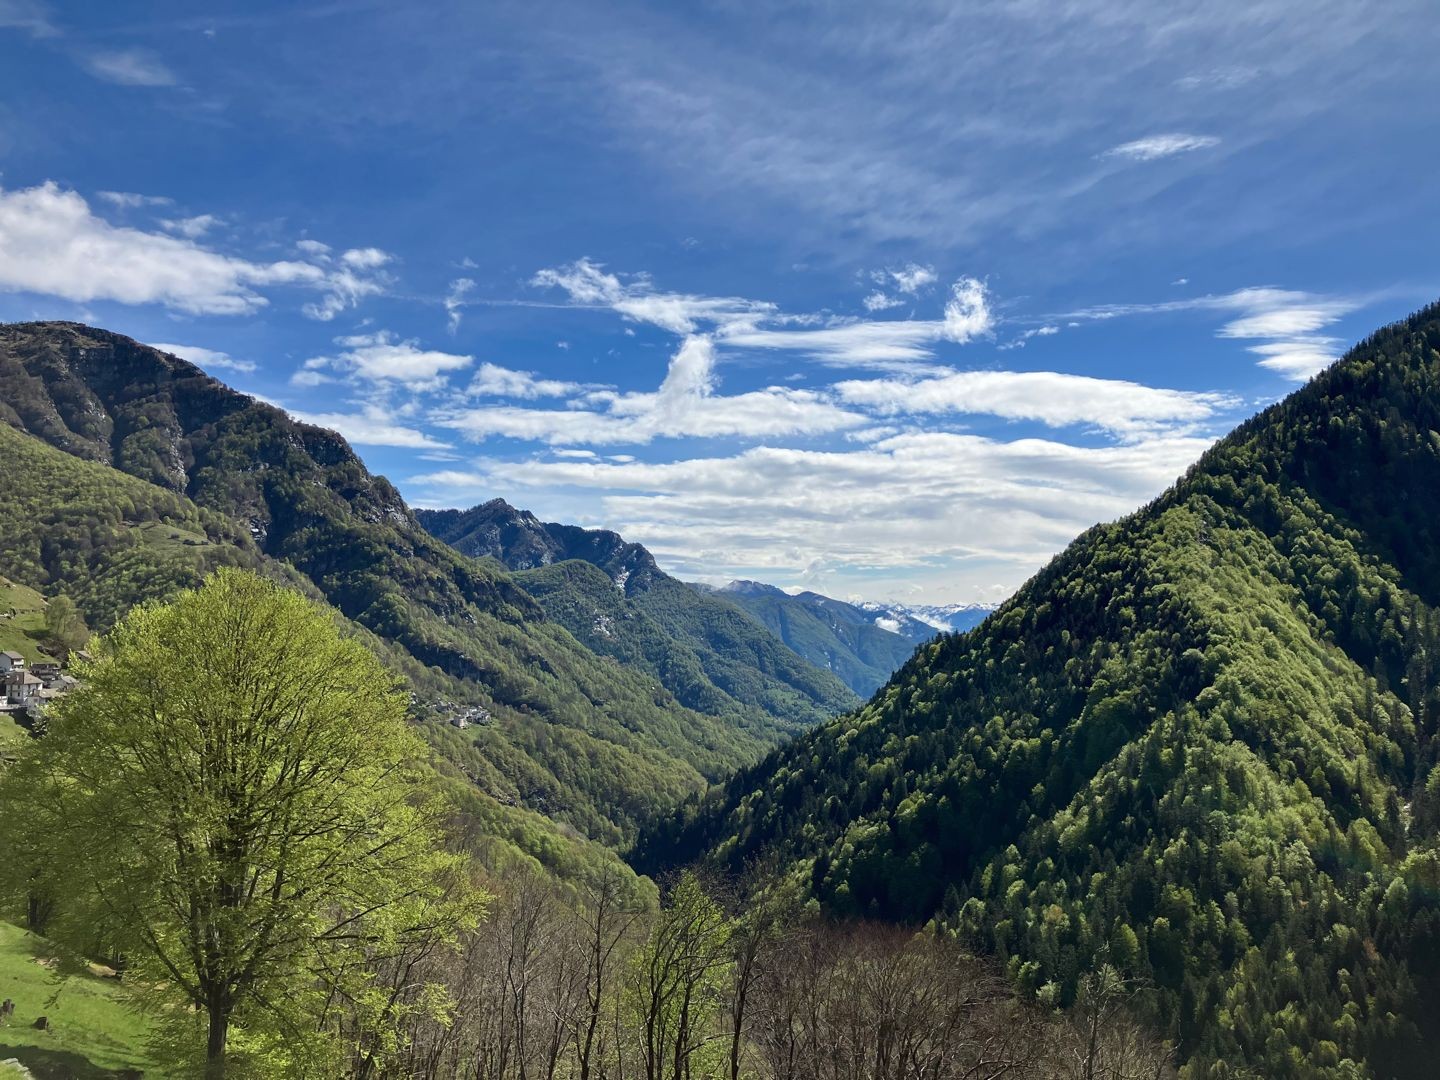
{"x": 22, "y": 677}
{"x": 13, "y": 656}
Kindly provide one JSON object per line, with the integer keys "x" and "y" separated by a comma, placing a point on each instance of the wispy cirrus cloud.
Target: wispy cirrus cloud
{"x": 130, "y": 200}
{"x": 493, "y": 380}
{"x": 1286, "y": 322}
{"x": 739, "y": 323}
{"x": 454, "y": 302}
{"x": 1155, "y": 147}
{"x": 635, "y": 297}
{"x": 28, "y": 15}
{"x": 129, "y": 67}
{"x": 191, "y": 227}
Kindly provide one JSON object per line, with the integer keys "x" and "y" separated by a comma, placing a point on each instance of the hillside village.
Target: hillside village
{"x": 28, "y": 687}
{"x": 33, "y": 656}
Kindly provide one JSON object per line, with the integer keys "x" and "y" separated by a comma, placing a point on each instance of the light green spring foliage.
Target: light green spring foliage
{"x": 234, "y": 804}
{"x": 679, "y": 981}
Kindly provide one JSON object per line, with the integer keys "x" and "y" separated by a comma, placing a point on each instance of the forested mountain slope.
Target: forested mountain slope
{"x": 207, "y": 475}
{"x": 829, "y": 633}
{"x": 710, "y": 655}
{"x": 1201, "y": 741}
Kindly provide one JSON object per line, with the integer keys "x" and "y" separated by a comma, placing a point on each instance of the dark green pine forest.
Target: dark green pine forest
{"x": 1199, "y": 745}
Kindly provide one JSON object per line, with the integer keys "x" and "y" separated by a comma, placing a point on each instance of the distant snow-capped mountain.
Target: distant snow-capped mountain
{"x": 921, "y": 622}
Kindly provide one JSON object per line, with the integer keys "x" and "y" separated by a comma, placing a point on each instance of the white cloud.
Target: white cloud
{"x": 1280, "y": 322}
{"x": 913, "y": 278}
{"x": 685, "y": 405}
{"x": 878, "y": 301}
{"x": 130, "y": 67}
{"x": 890, "y": 344}
{"x": 1154, "y": 147}
{"x": 369, "y": 258}
{"x": 910, "y": 501}
{"x": 1297, "y": 360}
{"x": 1291, "y": 320}
{"x": 455, "y": 302}
{"x": 381, "y": 357}
{"x": 1290, "y": 317}
{"x": 894, "y": 343}
{"x": 1218, "y": 79}
{"x": 208, "y": 359}
{"x": 1024, "y": 338}
{"x": 967, "y": 314}
{"x": 735, "y": 322}
{"x": 191, "y": 227}
{"x": 587, "y": 283}
{"x": 1126, "y": 409}
{"x": 27, "y": 15}
{"x": 52, "y": 243}
{"x": 372, "y": 426}
{"x": 492, "y": 380}
{"x": 129, "y": 200}
{"x": 313, "y": 248}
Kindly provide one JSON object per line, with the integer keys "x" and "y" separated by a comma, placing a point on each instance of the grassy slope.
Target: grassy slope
{"x": 94, "y": 1030}
{"x": 22, "y": 621}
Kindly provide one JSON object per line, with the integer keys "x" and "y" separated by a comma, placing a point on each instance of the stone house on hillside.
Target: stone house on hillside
{"x": 21, "y": 688}
{"x": 11, "y": 661}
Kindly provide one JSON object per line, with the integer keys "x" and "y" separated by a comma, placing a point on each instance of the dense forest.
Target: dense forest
{"x": 1199, "y": 746}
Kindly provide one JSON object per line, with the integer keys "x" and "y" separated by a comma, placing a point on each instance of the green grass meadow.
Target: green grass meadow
{"x": 94, "y": 1031}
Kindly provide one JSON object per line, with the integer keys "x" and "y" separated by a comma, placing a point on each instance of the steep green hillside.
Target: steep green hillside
{"x": 1202, "y": 740}
{"x": 829, "y": 633}
{"x": 216, "y": 476}
{"x": 707, "y": 653}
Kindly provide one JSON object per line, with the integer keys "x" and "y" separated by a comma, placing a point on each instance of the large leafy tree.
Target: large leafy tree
{"x": 233, "y": 803}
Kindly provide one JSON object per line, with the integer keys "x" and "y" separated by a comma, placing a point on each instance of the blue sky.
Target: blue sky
{"x": 889, "y": 301}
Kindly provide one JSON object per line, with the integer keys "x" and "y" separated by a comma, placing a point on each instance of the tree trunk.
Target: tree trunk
{"x": 215, "y": 1049}
{"x": 37, "y": 913}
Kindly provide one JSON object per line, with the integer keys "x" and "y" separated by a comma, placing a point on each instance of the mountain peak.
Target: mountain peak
{"x": 745, "y": 587}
